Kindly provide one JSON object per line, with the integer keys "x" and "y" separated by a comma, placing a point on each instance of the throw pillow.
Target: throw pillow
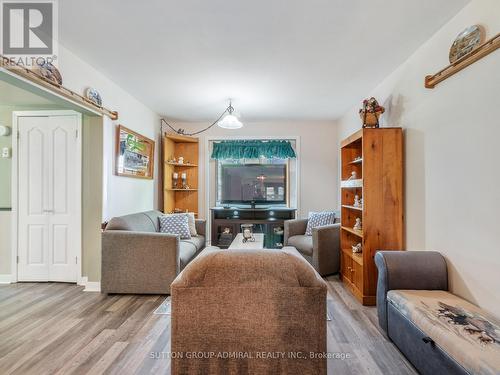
{"x": 191, "y": 221}
{"x": 175, "y": 224}
{"x": 319, "y": 219}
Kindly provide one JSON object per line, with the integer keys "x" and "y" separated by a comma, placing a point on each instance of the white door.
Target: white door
{"x": 49, "y": 175}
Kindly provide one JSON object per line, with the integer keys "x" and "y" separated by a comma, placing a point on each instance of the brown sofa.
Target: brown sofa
{"x": 322, "y": 249}
{"x": 234, "y": 308}
{"x": 138, "y": 259}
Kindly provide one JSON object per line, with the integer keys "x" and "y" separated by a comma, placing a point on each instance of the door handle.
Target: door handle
{"x": 48, "y": 211}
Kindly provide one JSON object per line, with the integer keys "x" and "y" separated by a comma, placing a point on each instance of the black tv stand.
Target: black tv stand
{"x": 226, "y": 224}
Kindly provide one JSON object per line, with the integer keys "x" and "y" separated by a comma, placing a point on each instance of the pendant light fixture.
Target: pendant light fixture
{"x": 227, "y": 120}
{"x": 230, "y": 121}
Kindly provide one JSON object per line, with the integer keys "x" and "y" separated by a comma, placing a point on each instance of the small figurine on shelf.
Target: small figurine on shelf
{"x": 370, "y": 113}
{"x": 247, "y": 232}
{"x": 357, "y": 202}
{"x": 354, "y": 176}
{"x": 180, "y": 160}
{"x": 357, "y": 225}
{"x": 357, "y": 248}
{"x": 184, "y": 181}
{"x": 175, "y": 180}
{"x": 361, "y": 203}
{"x": 278, "y": 231}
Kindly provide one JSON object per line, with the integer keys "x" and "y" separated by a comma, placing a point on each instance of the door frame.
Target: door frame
{"x": 15, "y": 184}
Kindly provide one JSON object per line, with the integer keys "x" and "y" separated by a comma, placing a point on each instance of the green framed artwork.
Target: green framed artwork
{"x": 134, "y": 154}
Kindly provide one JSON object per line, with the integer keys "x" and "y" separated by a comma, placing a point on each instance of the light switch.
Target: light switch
{"x": 5, "y": 153}
{"x": 4, "y": 131}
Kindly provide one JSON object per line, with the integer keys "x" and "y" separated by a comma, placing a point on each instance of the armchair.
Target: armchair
{"x": 321, "y": 250}
{"x": 249, "y": 302}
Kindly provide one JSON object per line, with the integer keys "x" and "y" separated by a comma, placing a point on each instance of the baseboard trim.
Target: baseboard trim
{"x": 5, "y": 279}
{"x": 90, "y": 286}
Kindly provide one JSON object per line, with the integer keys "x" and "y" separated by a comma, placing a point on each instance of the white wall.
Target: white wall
{"x": 318, "y": 158}
{"x": 452, "y": 173}
{"x": 122, "y": 195}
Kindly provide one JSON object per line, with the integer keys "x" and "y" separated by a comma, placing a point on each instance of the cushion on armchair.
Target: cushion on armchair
{"x": 303, "y": 243}
{"x": 319, "y": 219}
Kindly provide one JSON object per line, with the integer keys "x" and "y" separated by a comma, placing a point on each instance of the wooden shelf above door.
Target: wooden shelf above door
{"x": 60, "y": 90}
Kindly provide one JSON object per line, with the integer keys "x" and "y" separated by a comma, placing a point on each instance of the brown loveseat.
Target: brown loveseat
{"x": 249, "y": 312}
{"x": 138, "y": 259}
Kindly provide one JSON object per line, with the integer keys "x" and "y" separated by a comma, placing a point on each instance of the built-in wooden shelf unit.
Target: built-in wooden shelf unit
{"x": 380, "y": 184}
{"x": 176, "y": 198}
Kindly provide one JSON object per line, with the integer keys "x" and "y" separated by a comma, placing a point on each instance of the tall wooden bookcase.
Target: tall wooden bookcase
{"x": 376, "y": 155}
{"x": 175, "y": 198}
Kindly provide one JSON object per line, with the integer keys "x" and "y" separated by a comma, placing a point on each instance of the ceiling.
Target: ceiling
{"x": 278, "y": 59}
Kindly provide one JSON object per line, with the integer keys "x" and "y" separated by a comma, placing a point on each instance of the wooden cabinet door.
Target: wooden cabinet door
{"x": 346, "y": 267}
{"x": 357, "y": 276}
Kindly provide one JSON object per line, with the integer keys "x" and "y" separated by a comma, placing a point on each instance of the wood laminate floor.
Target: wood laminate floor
{"x": 56, "y": 328}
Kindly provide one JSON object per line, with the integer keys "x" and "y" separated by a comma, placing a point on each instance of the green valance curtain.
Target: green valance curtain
{"x": 253, "y": 150}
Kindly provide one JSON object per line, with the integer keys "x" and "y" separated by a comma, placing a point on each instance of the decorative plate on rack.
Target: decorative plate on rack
{"x": 93, "y": 96}
{"x": 49, "y": 72}
{"x": 466, "y": 42}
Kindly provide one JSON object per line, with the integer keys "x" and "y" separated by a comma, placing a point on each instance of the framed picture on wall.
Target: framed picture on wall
{"x": 134, "y": 154}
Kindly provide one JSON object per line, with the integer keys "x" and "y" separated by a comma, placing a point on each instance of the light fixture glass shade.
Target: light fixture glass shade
{"x": 230, "y": 122}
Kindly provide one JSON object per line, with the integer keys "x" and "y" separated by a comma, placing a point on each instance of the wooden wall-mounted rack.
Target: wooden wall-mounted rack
{"x": 483, "y": 50}
{"x": 54, "y": 87}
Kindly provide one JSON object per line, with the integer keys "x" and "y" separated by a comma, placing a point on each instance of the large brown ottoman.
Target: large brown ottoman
{"x": 249, "y": 311}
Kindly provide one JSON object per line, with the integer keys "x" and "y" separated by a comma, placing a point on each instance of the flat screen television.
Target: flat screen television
{"x": 252, "y": 184}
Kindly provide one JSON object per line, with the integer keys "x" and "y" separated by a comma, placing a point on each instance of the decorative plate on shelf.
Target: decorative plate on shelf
{"x": 49, "y": 72}
{"x": 466, "y": 42}
{"x": 94, "y": 96}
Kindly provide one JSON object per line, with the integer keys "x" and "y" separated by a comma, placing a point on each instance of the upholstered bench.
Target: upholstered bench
{"x": 235, "y": 308}
{"x": 439, "y": 332}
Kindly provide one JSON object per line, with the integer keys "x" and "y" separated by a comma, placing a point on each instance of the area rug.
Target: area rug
{"x": 166, "y": 308}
